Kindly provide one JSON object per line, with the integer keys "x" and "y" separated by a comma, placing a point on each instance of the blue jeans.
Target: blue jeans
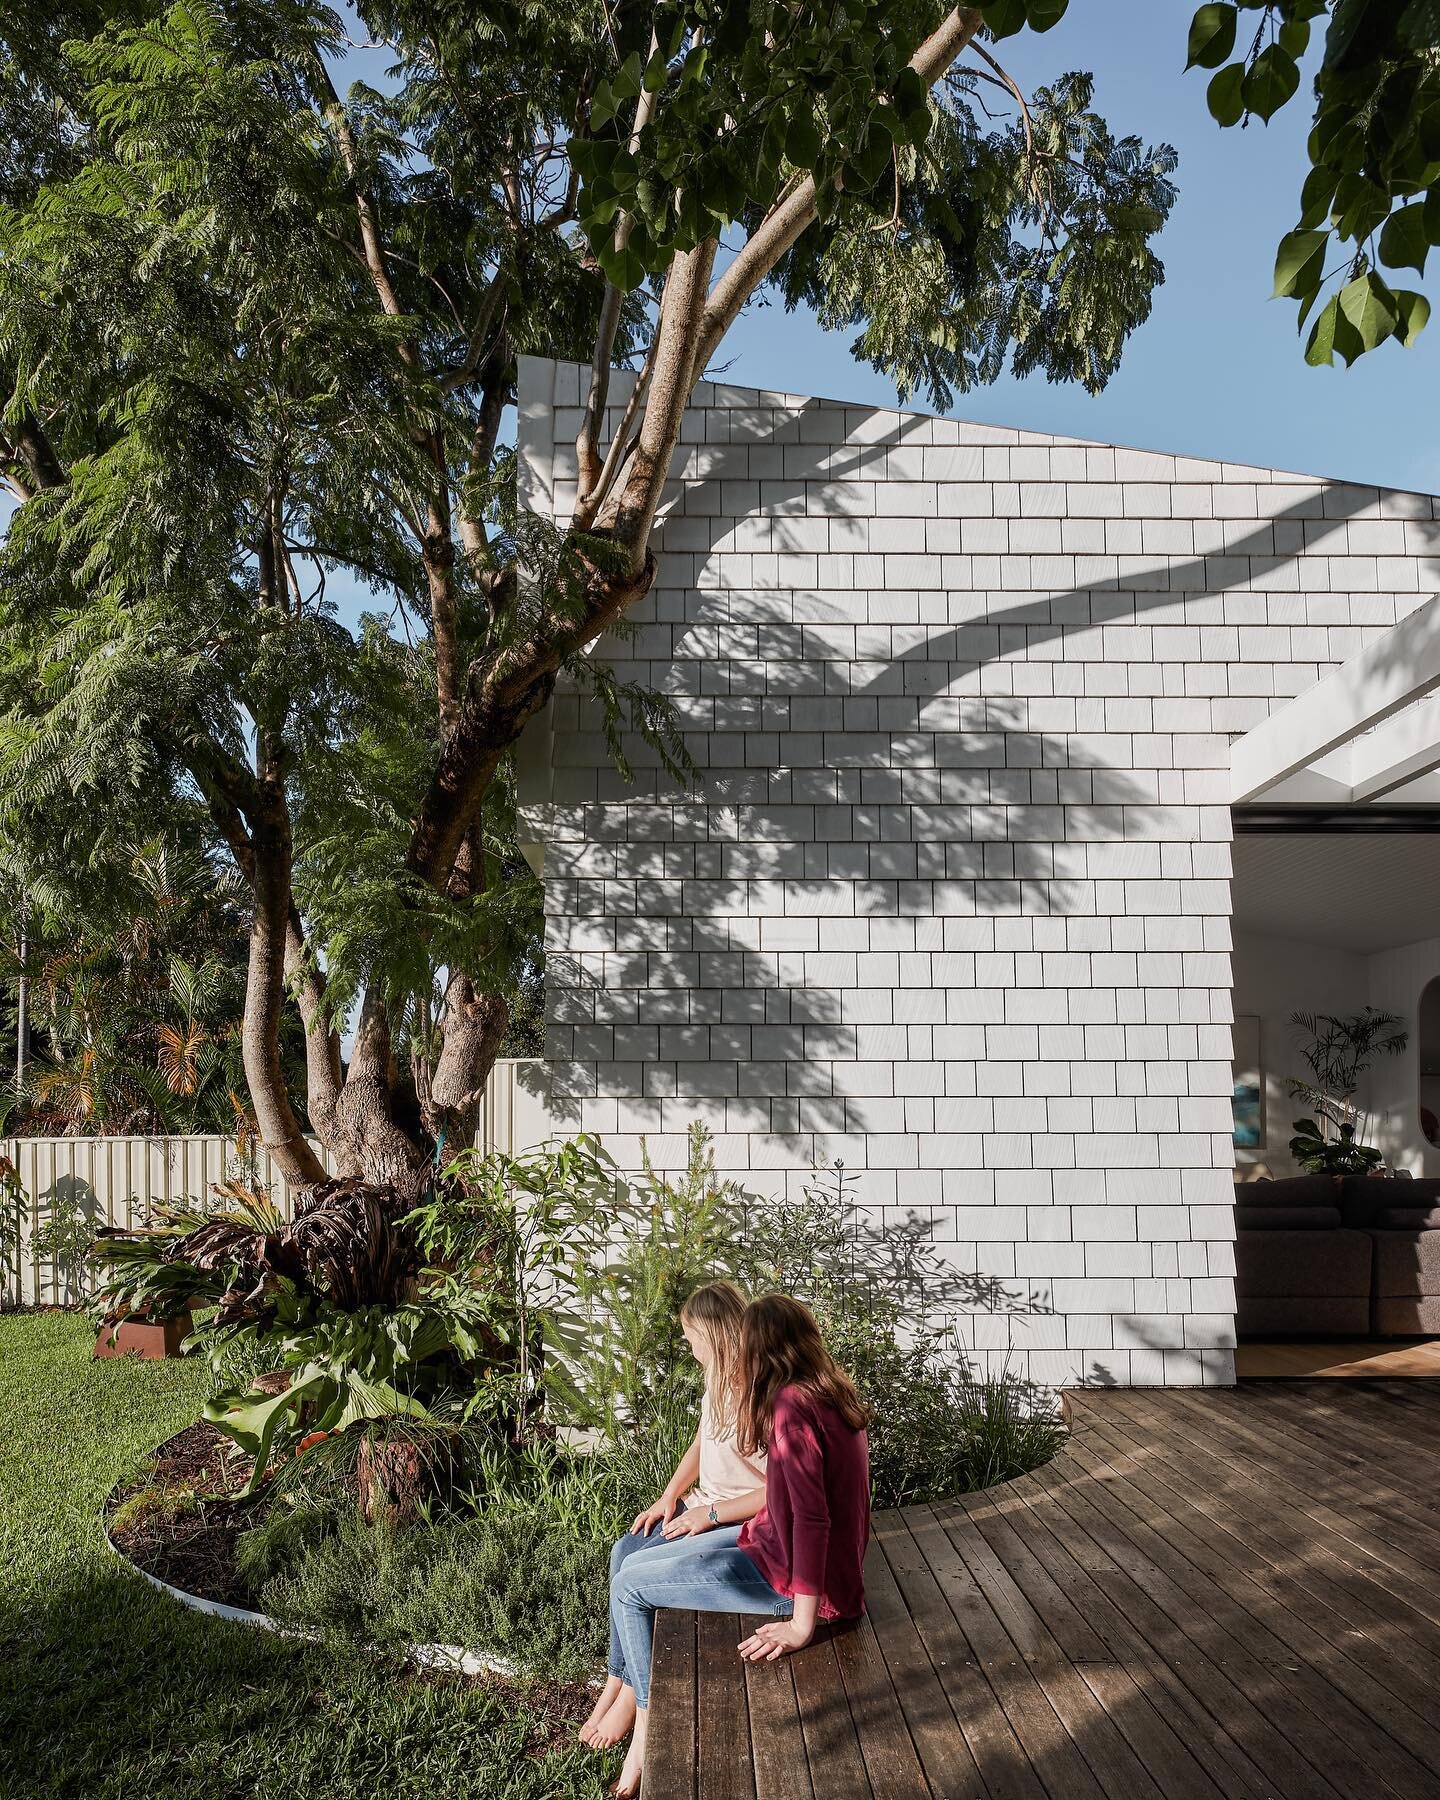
{"x": 704, "y": 1574}
{"x": 630, "y": 1545}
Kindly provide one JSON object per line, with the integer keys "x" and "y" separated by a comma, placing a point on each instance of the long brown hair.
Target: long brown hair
{"x": 718, "y": 1309}
{"x": 781, "y": 1346}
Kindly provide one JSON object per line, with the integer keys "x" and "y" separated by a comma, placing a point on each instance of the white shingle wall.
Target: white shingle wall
{"x": 951, "y": 902}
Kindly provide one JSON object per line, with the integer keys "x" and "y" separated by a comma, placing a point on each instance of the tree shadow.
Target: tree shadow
{"x": 887, "y": 778}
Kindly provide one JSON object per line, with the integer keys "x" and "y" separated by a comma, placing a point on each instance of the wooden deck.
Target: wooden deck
{"x": 1220, "y": 1593}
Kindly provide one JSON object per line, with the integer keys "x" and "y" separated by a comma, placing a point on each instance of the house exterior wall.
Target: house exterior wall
{"x": 949, "y": 901}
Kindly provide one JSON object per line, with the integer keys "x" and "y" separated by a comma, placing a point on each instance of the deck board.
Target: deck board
{"x": 1208, "y": 1595}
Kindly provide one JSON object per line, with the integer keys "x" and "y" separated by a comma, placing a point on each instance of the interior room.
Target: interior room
{"x": 1337, "y": 1274}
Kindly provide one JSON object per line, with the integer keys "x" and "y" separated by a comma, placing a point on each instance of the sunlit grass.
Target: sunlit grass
{"x": 108, "y": 1689}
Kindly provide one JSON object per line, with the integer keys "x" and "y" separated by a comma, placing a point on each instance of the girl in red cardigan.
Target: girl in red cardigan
{"x": 809, "y": 1538}
{"x": 801, "y": 1557}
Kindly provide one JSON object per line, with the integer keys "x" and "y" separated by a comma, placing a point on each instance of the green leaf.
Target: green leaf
{"x": 629, "y": 77}
{"x": 655, "y": 71}
{"x": 1042, "y": 14}
{"x": 1003, "y": 18}
{"x": 1316, "y": 195}
{"x": 802, "y": 140}
{"x": 622, "y": 265}
{"x": 1294, "y": 37}
{"x": 910, "y": 94}
{"x": 602, "y": 107}
{"x": 1223, "y": 95}
{"x": 1345, "y": 22}
{"x": 1271, "y": 80}
{"x": 1370, "y": 307}
{"x": 1431, "y": 214}
{"x": 1332, "y": 331}
{"x": 1299, "y": 262}
{"x": 1403, "y": 243}
{"x": 1212, "y": 36}
{"x": 1414, "y": 310}
{"x": 1419, "y": 26}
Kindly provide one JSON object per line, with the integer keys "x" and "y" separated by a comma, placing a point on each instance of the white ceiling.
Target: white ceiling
{"x": 1362, "y": 893}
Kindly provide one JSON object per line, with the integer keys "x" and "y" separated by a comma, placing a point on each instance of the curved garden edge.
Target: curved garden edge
{"x": 450, "y": 1659}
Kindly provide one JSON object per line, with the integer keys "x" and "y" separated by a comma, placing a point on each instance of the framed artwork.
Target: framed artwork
{"x": 1247, "y": 1101}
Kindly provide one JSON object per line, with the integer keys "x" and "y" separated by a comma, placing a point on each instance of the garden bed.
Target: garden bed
{"x": 175, "y": 1519}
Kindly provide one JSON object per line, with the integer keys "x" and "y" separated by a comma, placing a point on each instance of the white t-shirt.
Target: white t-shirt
{"x": 724, "y": 1473}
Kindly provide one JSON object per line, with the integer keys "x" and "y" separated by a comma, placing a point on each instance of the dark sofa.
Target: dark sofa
{"x": 1321, "y": 1256}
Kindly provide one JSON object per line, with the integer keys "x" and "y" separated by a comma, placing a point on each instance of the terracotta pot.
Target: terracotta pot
{"x": 150, "y": 1339}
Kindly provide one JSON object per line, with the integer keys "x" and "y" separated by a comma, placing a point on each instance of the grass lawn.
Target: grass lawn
{"x": 109, "y": 1689}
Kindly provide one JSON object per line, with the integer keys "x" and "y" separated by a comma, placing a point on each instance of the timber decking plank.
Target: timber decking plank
{"x": 1104, "y": 1736}
{"x": 1240, "y": 1692}
{"x": 1386, "y": 1690}
{"x": 1062, "y": 1590}
{"x": 1279, "y": 1438}
{"x": 1004, "y": 1767}
{"x": 832, "y": 1748}
{"x": 1325, "y": 1566}
{"x": 1208, "y": 1595}
{"x": 944, "y": 1753}
{"x": 1290, "y": 1498}
{"x": 670, "y": 1745}
{"x": 777, "y": 1737}
{"x": 891, "y": 1761}
{"x": 1264, "y": 1630}
{"x": 727, "y": 1771}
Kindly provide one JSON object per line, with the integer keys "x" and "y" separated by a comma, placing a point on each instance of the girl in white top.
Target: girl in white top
{"x": 713, "y": 1488}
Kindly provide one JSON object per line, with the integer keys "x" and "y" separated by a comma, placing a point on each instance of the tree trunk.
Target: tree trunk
{"x": 279, "y": 1129}
{"x": 371, "y": 1142}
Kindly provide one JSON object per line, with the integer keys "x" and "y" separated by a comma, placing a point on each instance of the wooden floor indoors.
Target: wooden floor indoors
{"x": 1233, "y": 1592}
{"x": 1367, "y": 1357}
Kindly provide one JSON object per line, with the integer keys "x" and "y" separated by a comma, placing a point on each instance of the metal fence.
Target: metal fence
{"x": 69, "y": 1186}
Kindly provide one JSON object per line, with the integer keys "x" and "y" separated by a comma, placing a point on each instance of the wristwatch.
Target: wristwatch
{"x": 712, "y": 1515}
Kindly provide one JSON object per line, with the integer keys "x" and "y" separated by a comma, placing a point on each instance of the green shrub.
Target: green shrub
{"x": 881, "y": 1299}
{"x": 619, "y": 1357}
{"x": 1007, "y": 1429}
{"x": 511, "y": 1581}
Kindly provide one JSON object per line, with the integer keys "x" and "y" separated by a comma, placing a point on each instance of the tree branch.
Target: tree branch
{"x": 672, "y": 381}
{"x": 587, "y": 443}
{"x": 36, "y": 451}
{"x": 782, "y": 227}
{"x": 280, "y": 1130}
{"x": 365, "y": 210}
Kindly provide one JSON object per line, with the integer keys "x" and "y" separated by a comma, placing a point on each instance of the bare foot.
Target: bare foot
{"x": 628, "y": 1786}
{"x": 614, "y": 1728}
{"x": 598, "y": 1712}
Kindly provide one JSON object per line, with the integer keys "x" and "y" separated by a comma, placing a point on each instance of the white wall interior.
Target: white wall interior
{"x": 950, "y": 900}
{"x": 1332, "y": 924}
{"x": 1275, "y": 977}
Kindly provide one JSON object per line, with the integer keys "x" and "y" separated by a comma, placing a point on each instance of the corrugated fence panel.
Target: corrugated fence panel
{"x": 117, "y": 1180}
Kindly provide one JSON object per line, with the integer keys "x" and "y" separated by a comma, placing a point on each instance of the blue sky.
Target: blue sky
{"x": 1217, "y": 370}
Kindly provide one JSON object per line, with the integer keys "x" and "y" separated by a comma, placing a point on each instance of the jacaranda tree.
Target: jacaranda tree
{"x": 256, "y": 331}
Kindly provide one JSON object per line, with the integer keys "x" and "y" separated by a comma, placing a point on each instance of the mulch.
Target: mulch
{"x": 178, "y": 1521}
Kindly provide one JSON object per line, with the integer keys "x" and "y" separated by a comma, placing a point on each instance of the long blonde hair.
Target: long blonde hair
{"x": 718, "y": 1309}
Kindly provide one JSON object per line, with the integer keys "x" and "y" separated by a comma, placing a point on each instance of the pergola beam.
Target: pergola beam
{"x": 1400, "y": 751}
{"x": 1401, "y": 667}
